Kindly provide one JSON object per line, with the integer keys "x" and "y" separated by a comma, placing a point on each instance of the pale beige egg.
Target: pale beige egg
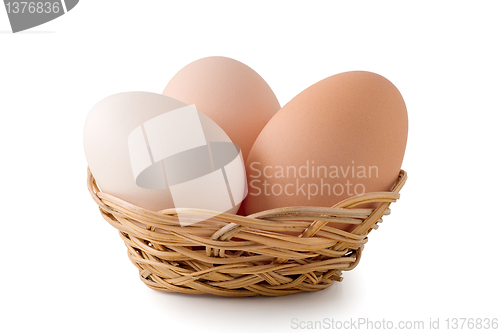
{"x": 158, "y": 153}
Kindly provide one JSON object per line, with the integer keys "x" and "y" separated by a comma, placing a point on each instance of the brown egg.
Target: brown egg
{"x": 230, "y": 93}
{"x": 343, "y": 136}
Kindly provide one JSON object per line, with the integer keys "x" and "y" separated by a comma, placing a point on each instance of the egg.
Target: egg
{"x": 343, "y": 136}
{"x": 157, "y": 153}
{"x": 230, "y": 93}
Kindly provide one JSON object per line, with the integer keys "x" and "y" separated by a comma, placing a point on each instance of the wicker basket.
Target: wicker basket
{"x": 272, "y": 253}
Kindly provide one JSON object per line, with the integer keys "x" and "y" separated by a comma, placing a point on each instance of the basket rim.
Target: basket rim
{"x": 110, "y": 203}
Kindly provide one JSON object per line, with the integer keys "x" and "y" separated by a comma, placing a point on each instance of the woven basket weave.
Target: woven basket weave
{"x": 272, "y": 253}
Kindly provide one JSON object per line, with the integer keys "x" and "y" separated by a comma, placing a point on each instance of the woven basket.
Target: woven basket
{"x": 272, "y": 253}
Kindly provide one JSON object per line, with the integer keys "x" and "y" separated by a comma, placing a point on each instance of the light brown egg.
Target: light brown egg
{"x": 342, "y": 136}
{"x": 230, "y": 93}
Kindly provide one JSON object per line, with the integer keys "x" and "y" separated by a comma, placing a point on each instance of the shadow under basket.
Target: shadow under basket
{"x": 272, "y": 253}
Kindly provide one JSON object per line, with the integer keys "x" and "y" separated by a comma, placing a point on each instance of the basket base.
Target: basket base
{"x": 234, "y": 280}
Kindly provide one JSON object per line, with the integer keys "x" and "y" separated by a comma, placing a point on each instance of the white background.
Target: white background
{"x": 64, "y": 269}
